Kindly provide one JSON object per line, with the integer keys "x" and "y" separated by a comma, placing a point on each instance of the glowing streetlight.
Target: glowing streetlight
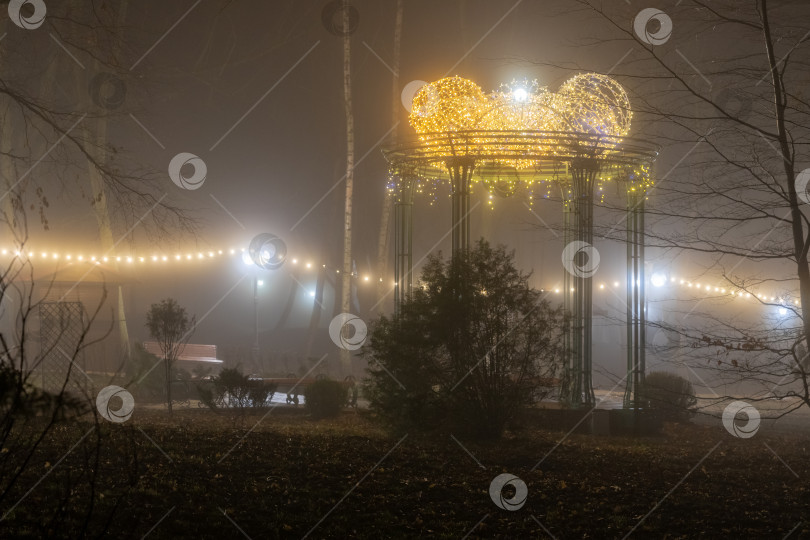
{"x": 268, "y": 252}
{"x": 520, "y": 95}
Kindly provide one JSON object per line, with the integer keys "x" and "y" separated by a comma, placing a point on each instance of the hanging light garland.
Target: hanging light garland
{"x": 305, "y": 264}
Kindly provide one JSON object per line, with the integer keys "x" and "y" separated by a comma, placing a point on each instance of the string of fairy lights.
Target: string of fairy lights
{"x": 698, "y": 287}
{"x": 552, "y": 184}
{"x": 131, "y": 259}
{"x": 704, "y": 289}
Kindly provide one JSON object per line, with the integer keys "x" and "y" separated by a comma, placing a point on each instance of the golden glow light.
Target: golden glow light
{"x": 449, "y": 104}
{"x": 523, "y": 118}
{"x": 588, "y": 103}
{"x": 594, "y": 103}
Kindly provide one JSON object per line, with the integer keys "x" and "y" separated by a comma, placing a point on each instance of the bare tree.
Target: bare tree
{"x": 31, "y": 415}
{"x": 346, "y": 284}
{"x": 58, "y": 133}
{"x": 733, "y": 125}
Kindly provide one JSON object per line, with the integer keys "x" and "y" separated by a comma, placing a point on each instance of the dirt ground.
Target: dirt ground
{"x": 283, "y": 475}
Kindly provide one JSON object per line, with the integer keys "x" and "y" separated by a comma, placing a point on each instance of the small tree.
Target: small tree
{"x": 467, "y": 349}
{"x": 170, "y": 326}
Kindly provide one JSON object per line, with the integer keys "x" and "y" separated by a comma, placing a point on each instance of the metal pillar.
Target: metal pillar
{"x": 636, "y": 297}
{"x": 460, "y": 173}
{"x": 255, "y": 351}
{"x": 578, "y": 210}
{"x": 571, "y": 373}
{"x": 403, "y": 238}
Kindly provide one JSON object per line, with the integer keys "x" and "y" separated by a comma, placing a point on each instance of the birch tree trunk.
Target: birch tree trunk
{"x": 345, "y": 289}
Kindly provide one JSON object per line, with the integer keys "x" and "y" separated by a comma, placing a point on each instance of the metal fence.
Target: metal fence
{"x": 61, "y": 327}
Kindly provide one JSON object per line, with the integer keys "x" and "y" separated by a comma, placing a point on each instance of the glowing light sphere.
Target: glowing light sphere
{"x": 514, "y": 128}
{"x": 521, "y": 106}
{"x": 449, "y": 104}
{"x": 596, "y": 104}
{"x": 586, "y": 103}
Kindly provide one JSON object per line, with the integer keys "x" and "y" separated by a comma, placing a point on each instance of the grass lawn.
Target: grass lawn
{"x": 290, "y": 476}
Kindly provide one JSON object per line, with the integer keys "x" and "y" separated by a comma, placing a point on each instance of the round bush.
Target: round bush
{"x": 670, "y": 393}
{"x": 325, "y": 398}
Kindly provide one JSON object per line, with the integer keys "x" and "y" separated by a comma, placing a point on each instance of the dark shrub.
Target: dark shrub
{"x": 233, "y": 389}
{"x": 670, "y": 393}
{"x": 205, "y": 391}
{"x": 259, "y": 392}
{"x": 325, "y": 398}
{"x": 233, "y": 385}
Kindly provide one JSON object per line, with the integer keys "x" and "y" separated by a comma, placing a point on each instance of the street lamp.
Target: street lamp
{"x": 268, "y": 252}
{"x": 658, "y": 279}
